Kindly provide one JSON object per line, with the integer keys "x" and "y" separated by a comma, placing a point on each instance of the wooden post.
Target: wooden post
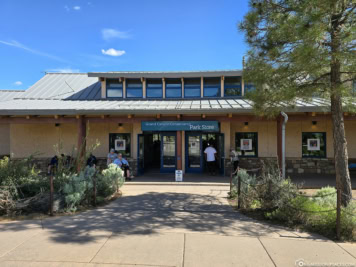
{"x": 81, "y": 126}
{"x": 338, "y": 214}
{"x": 51, "y": 194}
{"x": 279, "y": 141}
{"x": 238, "y": 192}
{"x": 179, "y": 150}
{"x": 94, "y": 187}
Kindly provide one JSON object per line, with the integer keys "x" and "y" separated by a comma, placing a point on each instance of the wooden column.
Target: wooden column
{"x": 179, "y": 150}
{"x": 279, "y": 140}
{"x": 81, "y": 126}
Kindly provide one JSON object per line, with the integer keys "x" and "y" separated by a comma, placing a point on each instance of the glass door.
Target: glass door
{"x": 168, "y": 152}
{"x": 193, "y": 159}
{"x": 140, "y": 153}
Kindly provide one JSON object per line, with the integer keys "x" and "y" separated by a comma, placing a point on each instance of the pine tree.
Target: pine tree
{"x": 300, "y": 49}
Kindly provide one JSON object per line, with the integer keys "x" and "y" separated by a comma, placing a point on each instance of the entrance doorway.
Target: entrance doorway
{"x": 196, "y": 143}
{"x": 156, "y": 152}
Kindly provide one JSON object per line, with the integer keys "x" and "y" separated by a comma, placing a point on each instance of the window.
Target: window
{"x": 154, "y": 88}
{"x": 212, "y": 87}
{"x": 246, "y": 144}
{"x": 121, "y": 142}
{"x": 173, "y": 88}
{"x": 192, "y": 87}
{"x": 133, "y": 88}
{"x": 249, "y": 87}
{"x": 314, "y": 145}
{"x": 232, "y": 86}
{"x": 114, "y": 88}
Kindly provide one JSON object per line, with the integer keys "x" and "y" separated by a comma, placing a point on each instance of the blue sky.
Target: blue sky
{"x": 149, "y": 35}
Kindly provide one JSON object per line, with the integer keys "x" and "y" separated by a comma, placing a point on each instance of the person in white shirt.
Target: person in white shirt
{"x": 234, "y": 158}
{"x": 210, "y": 157}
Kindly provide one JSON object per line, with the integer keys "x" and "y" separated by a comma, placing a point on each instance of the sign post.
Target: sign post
{"x": 179, "y": 176}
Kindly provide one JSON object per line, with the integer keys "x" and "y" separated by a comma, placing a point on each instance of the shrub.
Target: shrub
{"x": 110, "y": 180}
{"x": 21, "y": 178}
{"x": 280, "y": 200}
{"x": 78, "y": 188}
{"x": 269, "y": 190}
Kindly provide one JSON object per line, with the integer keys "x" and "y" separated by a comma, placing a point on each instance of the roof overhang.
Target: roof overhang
{"x": 168, "y": 74}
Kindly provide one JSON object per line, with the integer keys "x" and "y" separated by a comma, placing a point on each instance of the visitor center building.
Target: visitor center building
{"x": 163, "y": 121}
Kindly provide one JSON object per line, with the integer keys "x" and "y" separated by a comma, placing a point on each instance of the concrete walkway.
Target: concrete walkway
{"x": 164, "y": 225}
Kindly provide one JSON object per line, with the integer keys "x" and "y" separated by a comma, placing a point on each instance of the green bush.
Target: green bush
{"x": 110, "y": 180}
{"x": 78, "y": 189}
{"x": 280, "y": 200}
{"x": 21, "y": 178}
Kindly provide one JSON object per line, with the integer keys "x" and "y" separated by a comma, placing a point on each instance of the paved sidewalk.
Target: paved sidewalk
{"x": 164, "y": 225}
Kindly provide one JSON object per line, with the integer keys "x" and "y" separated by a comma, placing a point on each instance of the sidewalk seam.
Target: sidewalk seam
{"x": 184, "y": 239}
{"x": 345, "y": 250}
{"x": 19, "y": 244}
{"x": 267, "y": 252}
{"x": 101, "y": 247}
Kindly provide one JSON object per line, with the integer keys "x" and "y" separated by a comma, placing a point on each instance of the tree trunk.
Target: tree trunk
{"x": 343, "y": 180}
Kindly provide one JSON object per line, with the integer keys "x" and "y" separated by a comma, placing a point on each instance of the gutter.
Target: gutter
{"x": 284, "y": 144}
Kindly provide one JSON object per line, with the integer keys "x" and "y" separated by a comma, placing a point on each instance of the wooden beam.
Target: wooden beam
{"x": 81, "y": 146}
{"x": 34, "y": 120}
{"x": 179, "y": 150}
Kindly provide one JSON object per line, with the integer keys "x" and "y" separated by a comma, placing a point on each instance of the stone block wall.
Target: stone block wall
{"x": 310, "y": 165}
{"x": 293, "y": 165}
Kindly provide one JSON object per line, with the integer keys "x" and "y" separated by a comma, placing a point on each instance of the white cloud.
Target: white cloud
{"x": 113, "y": 52}
{"x": 33, "y": 51}
{"x": 18, "y": 83}
{"x": 109, "y": 34}
{"x": 76, "y": 7}
{"x": 63, "y": 70}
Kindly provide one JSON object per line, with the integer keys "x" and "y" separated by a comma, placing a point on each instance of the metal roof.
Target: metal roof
{"x": 62, "y": 107}
{"x": 72, "y": 86}
{"x": 76, "y": 93}
{"x": 165, "y": 74}
{"x": 6, "y": 95}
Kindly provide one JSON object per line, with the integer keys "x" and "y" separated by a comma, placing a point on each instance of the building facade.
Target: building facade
{"x": 163, "y": 121}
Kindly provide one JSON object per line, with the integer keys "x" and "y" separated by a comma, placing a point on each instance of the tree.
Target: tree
{"x": 300, "y": 49}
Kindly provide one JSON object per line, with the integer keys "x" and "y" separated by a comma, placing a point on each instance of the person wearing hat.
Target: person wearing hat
{"x": 111, "y": 156}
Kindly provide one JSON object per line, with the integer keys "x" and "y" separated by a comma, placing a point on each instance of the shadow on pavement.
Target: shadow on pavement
{"x": 149, "y": 213}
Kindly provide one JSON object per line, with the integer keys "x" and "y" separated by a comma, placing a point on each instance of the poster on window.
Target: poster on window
{"x": 246, "y": 144}
{"x": 120, "y": 145}
{"x": 313, "y": 144}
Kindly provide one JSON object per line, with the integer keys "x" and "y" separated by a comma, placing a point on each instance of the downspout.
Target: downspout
{"x": 284, "y": 144}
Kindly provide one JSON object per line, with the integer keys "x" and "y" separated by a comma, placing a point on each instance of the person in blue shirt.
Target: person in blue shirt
{"x": 124, "y": 165}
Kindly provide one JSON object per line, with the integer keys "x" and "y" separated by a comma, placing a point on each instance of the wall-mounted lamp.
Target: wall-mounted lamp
{"x": 246, "y": 123}
{"x": 57, "y": 124}
{"x": 314, "y": 122}
{"x": 119, "y": 124}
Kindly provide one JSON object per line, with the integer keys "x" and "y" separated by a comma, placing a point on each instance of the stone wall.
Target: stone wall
{"x": 310, "y": 165}
{"x": 293, "y": 165}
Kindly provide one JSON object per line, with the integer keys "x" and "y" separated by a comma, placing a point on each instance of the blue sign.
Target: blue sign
{"x": 167, "y": 126}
